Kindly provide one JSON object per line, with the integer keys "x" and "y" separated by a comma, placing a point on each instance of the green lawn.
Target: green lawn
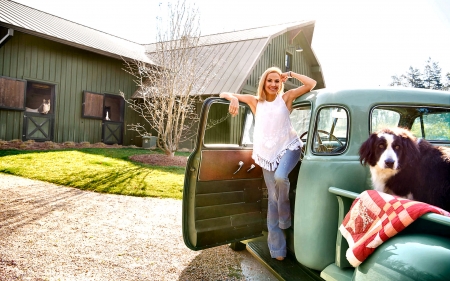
{"x": 105, "y": 170}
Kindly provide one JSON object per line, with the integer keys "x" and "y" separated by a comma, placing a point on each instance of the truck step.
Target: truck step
{"x": 288, "y": 269}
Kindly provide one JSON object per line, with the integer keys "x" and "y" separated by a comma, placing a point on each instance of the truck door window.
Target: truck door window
{"x": 331, "y": 131}
{"x": 384, "y": 118}
{"x": 249, "y": 126}
{"x": 430, "y": 123}
{"x": 223, "y": 130}
{"x": 300, "y": 117}
{"x": 433, "y": 126}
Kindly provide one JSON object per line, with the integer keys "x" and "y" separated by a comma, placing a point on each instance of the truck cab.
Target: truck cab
{"x": 225, "y": 198}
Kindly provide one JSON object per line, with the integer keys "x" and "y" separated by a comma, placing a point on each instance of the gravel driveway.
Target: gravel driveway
{"x": 50, "y": 232}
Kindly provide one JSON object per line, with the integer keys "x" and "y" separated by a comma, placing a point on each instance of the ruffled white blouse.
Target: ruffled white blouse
{"x": 273, "y": 133}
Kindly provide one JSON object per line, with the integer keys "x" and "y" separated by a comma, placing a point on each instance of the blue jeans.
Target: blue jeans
{"x": 279, "y": 210}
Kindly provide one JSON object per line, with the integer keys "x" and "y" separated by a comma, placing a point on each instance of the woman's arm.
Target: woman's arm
{"x": 291, "y": 95}
{"x": 236, "y": 98}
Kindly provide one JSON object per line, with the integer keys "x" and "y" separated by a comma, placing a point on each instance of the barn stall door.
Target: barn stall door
{"x": 39, "y": 118}
{"x": 113, "y": 113}
{"x": 109, "y": 109}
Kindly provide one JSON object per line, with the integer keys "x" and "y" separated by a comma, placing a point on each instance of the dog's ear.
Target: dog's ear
{"x": 412, "y": 148}
{"x": 367, "y": 149}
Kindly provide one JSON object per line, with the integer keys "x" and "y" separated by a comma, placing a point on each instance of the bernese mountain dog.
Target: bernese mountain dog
{"x": 402, "y": 165}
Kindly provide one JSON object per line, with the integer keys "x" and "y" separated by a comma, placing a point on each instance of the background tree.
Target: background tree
{"x": 170, "y": 88}
{"x": 399, "y": 81}
{"x": 428, "y": 75}
{"x": 413, "y": 76}
{"x": 431, "y": 78}
{"x": 446, "y": 86}
{"x": 432, "y": 75}
{"x": 436, "y": 76}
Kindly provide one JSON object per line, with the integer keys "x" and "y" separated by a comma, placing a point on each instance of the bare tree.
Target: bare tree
{"x": 398, "y": 81}
{"x": 169, "y": 89}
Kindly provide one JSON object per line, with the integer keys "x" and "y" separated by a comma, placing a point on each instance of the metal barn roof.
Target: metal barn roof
{"x": 28, "y": 20}
{"x": 240, "y": 51}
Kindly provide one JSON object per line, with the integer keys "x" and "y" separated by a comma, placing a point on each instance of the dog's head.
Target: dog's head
{"x": 389, "y": 148}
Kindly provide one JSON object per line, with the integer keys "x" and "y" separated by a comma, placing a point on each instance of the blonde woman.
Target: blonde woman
{"x": 276, "y": 145}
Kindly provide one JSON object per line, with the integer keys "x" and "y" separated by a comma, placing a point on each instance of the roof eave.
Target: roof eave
{"x": 73, "y": 44}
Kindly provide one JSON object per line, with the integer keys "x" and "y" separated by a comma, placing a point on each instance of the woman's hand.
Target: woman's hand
{"x": 284, "y": 76}
{"x": 234, "y": 106}
{"x": 234, "y": 99}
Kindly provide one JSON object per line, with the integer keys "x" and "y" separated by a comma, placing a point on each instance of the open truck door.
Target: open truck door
{"x": 223, "y": 186}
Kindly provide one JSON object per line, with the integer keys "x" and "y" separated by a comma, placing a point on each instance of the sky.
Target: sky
{"x": 359, "y": 43}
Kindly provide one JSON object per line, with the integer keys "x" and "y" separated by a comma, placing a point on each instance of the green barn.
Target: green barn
{"x": 61, "y": 81}
{"x": 78, "y": 70}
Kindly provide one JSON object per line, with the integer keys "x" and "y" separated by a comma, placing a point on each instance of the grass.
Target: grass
{"x": 106, "y": 170}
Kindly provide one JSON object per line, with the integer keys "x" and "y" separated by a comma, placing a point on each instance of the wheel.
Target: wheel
{"x": 237, "y": 246}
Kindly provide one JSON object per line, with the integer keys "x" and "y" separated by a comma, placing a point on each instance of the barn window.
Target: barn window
{"x": 288, "y": 61}
{"x": 93, "y": 105}
{"x": 103, "y": 106}
{"x": 12, "y": 93}
{"x": 113, "y": 108}
{"x": 39, "y": 97}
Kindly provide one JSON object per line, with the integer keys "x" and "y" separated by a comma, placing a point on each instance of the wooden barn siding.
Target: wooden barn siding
{"x": 73, "y": 71}
{"x": 274, "y": 55}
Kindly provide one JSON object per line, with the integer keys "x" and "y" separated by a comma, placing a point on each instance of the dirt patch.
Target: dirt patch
{"x": 51, "y": 232}
{"x": 160, "y": 160}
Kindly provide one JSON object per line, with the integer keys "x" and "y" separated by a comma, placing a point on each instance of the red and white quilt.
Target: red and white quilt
{"x": 375, "y": 217}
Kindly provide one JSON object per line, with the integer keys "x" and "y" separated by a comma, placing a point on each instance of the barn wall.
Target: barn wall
{"x": 274, "y": 55}
{"x": 72, "y": 71}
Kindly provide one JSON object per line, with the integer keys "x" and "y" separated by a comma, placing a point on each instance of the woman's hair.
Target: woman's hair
{"x": 261, "y": 93}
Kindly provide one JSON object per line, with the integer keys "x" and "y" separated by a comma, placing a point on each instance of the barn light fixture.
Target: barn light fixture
{"x": 297, "y": 48}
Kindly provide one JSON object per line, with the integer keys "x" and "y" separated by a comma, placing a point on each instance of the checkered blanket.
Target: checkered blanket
{"x": 374, "y": 218}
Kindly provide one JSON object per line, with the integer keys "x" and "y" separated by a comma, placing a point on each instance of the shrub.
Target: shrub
{"x": 85, "y": 144}
{"x": 69, "y": 143}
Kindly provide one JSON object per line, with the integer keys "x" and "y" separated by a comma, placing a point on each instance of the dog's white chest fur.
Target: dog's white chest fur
{"x": 380, "y": 176}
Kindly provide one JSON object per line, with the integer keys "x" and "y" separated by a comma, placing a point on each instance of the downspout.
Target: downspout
{"x": 8, "y": 35}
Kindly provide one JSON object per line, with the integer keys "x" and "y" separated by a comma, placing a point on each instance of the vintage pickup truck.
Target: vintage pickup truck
{"x": 225, "y": 200}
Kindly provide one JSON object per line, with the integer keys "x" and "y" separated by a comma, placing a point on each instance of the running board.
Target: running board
{"x": 288, "y": 269}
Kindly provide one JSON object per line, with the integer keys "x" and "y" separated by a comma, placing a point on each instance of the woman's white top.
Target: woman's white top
{"x": 273, "y": 133}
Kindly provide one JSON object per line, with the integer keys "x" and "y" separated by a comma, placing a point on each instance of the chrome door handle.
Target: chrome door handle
{"x": 240, "y": 166}
{"x": 252, "y": 166}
